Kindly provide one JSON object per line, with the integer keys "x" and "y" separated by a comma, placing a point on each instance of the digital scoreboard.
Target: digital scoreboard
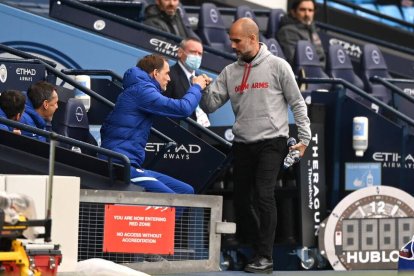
{"x": 367, "y": 229}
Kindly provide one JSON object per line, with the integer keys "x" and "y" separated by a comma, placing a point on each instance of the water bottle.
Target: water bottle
{"x": 293, "y": 156}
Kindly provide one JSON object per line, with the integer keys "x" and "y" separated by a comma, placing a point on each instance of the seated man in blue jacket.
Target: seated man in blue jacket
{"x": 127, "y": 127}
{"x": 41, "y": 104}
{"x": 11, "y": 107}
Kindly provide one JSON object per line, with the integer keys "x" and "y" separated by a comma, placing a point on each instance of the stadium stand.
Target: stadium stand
{"x": 367, "y": 6}
{"x": 307, "y": 65}
{"x": 308, "y": 69}
{"x": 186, "y": 21}
{"x": 211, "y": 28}
{"x": 339, "y": 66}
{"x": 273, "y": 22}
{"x": 391, "y": 10}
{"x": 274, "y": 47}
{"x": 71, "y": 120}
{"x": 373, "y": 64}
{"x": 408, "y": 13}
{"x": 246, "y": 11}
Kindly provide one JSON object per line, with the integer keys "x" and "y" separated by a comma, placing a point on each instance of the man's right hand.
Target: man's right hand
{"x": 201, "y": 80}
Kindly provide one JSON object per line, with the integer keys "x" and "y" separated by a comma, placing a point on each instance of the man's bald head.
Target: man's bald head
{"x": 244, "y": 37}
{"x": 245, "y": 26}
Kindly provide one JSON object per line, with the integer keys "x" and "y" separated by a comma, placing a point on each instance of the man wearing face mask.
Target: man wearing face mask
{"x": 126, "y": 129}
{"x": 166, "y": 16}
{"x": 299, "y": 25}
{"x": 189, "y": 60}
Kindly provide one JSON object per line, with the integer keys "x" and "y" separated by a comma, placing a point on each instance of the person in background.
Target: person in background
{"x": 260, "y": 87}
{"x": 127, "y": 128}
{"x": 12, "y": 104}
{"x": 299, "y": 25}
{"x": 41, "y": 104}
{"x": 189, "y": 55}
{"x": 166, "y": 16}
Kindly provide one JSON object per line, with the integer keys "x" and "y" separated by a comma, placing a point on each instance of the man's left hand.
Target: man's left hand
{"x": 300, "y": 147}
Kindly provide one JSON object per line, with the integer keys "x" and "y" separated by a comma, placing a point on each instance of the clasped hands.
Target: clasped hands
{"x": 202, "y": 80}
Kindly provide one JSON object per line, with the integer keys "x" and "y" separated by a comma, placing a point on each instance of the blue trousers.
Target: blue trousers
{"x": 159, "y": 183}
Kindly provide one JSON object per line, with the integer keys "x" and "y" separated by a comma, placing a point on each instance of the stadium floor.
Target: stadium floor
{"x": 302, "y": 273}
{"x": 286, "y": 273}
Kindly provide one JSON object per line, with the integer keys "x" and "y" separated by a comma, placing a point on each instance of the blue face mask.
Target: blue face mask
{"x": 193, "y": 61}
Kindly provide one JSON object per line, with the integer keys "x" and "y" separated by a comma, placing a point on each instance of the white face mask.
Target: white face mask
{"x": 193, "y": 61}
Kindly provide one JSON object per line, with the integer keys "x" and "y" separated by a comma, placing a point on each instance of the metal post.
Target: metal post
{"x": 52, "y": 150}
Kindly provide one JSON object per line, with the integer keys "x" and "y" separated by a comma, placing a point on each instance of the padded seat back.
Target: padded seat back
{"x": 71, "y": 120}
{"x": 273, "y": 22}
{"x": 373, "y": 64}
{"x": 307, "y": 65}
{"x": 211, "y": 28}
{"x": 274, "y": 47}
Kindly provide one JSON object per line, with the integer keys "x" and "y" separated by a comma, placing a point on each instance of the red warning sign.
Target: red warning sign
{"x": 139, "y": 229}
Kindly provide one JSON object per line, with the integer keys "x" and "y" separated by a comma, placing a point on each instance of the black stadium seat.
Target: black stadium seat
{"x": 246, "y": 11}
{"x": 186, "y": 21}
{"x": 373, "y": 64}
{"x": 274, "y": 47}
{"x": 307, "y": 65}
{"x": 273, "y": 22}
{"x": 71, "y": 120}
{"x": 211, "y": 28}
{"x": 339, "y": 66}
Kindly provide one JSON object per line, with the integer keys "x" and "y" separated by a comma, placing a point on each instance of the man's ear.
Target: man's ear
{"x": 18, "y": 117}
{"x": 154, "y": 73}
{"x": 45, "y": 104}
{"x": 180, "y": 52}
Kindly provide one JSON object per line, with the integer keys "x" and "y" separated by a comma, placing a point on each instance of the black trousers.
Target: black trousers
{"x": 256, "y": 166}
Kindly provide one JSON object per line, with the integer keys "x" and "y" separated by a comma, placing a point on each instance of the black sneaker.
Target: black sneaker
{"x": 260, "y": 265}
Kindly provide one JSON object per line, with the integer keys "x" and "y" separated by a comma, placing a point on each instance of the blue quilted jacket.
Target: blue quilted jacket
{"x": 127, "y": 127}
{"x": 32, "y": 118}
{"x": 2, "y": 126}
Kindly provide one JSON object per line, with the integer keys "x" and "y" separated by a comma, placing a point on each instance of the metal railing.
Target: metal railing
{"x": 361, "y": 93}
{"x": 25, "y": 55}
{"x": 388, "y": 82}
{"x": 371, "y": 12}
{"x": 57, "y": 137}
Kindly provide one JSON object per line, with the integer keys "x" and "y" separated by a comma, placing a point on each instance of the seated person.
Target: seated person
{"x": 11, "y": 107}
{"x": 299, "y": 25}
{"x": 127, "y": 127}
{"x": 165, "y": 16}
{"x": 41, "y": 104}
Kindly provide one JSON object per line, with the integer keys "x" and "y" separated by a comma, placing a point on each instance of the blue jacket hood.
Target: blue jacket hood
{"x": 135, "y": 75}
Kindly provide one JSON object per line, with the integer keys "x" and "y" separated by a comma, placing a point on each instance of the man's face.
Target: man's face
{"x": 168, "y": 6}
{"x": 241, "y": 44}
{"x": 305, "y": 12}
{"x": 49, "y": 107}
{"x": 190, "y": 48}
{"x": 162, "y": 76}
